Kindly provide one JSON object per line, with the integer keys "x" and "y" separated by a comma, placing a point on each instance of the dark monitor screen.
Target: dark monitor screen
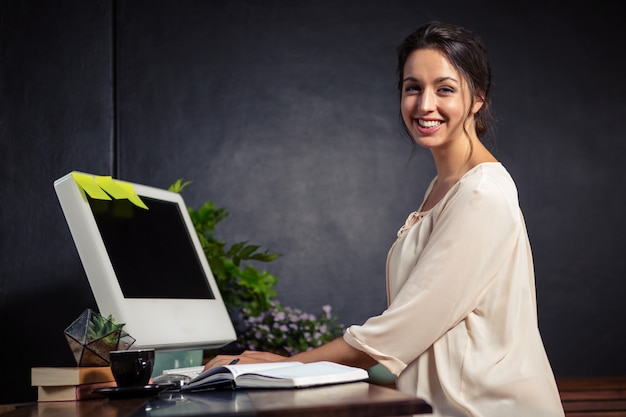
{"x": 150, "y": 250}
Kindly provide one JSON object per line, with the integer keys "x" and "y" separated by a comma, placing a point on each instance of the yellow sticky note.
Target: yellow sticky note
{"x": 88, "y": 184}
{"x": 119, "y": 190}
{"x": 107, "y": 184}
{"x": 132, "y": 195}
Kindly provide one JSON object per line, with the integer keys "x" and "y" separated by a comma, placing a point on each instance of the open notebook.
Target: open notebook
{"x": 276, "y": 375}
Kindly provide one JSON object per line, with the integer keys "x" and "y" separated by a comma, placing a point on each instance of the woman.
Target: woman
{"x": 460, "y": 330}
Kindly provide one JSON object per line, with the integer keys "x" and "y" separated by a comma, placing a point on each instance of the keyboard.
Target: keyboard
{"x": 191, "y": 371}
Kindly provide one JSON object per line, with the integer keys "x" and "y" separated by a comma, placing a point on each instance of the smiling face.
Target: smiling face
{"x": 436, "y": 101}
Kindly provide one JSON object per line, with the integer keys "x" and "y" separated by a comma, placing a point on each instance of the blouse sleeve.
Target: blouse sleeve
{"x": 472, "y": 237}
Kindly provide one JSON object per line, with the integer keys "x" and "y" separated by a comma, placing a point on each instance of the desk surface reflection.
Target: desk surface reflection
{"x": 354, "y": 399}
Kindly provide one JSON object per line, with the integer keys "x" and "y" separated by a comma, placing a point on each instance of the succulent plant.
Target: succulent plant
{"x": 99, "y": 327}
{"x": 91, "y": 337}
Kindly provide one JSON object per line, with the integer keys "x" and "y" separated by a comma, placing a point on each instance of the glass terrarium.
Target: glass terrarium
{"x": 91, "y": 337}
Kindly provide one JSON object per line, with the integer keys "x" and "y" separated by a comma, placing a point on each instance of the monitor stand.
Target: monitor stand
{"x": 176, "y": 359}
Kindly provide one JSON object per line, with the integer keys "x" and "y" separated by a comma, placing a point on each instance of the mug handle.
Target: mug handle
{"x": 143, "y": 366}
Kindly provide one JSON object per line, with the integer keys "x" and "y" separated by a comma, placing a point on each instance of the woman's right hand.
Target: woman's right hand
{"x": 248, "y": 356}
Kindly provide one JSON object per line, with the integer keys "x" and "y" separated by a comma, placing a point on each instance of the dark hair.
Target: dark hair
{"x": 466, "y": 53}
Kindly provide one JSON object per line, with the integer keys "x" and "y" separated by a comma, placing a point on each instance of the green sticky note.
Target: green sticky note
{"x": 88, "y": 184}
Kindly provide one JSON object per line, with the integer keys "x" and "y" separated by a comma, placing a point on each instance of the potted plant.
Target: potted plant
{"x": 91, "y": 337}
{"x": 261, "y": 321}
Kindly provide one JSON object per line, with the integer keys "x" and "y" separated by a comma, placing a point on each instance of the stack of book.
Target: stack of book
{"x": 70, "y": 383}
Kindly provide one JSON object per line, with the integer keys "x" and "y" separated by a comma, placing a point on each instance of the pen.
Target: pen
{"x": 234, "y": 361}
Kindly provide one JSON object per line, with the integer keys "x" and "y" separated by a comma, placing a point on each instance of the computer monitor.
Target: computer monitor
{"x": 144, "y": 262}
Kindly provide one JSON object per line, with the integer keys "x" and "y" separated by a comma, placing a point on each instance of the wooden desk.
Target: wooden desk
{"x": 593, "y": 396}
{"x": 345, "y": 400}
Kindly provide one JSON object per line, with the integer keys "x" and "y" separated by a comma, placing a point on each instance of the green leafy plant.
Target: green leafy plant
{"x": 262, "y": 322}
{"x": 240, "y": 284}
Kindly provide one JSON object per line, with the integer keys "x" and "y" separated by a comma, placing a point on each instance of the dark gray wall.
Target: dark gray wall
{"x": 286, "y": 113}
{"x": 55, "y": 116}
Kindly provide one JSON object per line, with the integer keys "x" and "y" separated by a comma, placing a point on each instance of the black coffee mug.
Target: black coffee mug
{"x": 132, "y": 368}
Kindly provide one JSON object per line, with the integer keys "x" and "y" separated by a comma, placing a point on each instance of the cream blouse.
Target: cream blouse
{"x": 461, "y": 328}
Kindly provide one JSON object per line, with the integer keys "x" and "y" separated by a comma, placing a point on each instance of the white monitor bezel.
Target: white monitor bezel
{"x": 164, "y": 324}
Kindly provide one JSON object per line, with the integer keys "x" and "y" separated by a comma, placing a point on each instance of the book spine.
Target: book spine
{"x": 71, "y": 392}
{"x": 70, "y": 376}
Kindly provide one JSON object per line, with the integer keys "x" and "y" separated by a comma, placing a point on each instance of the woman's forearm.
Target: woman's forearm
{"x": 336, "y": 351}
